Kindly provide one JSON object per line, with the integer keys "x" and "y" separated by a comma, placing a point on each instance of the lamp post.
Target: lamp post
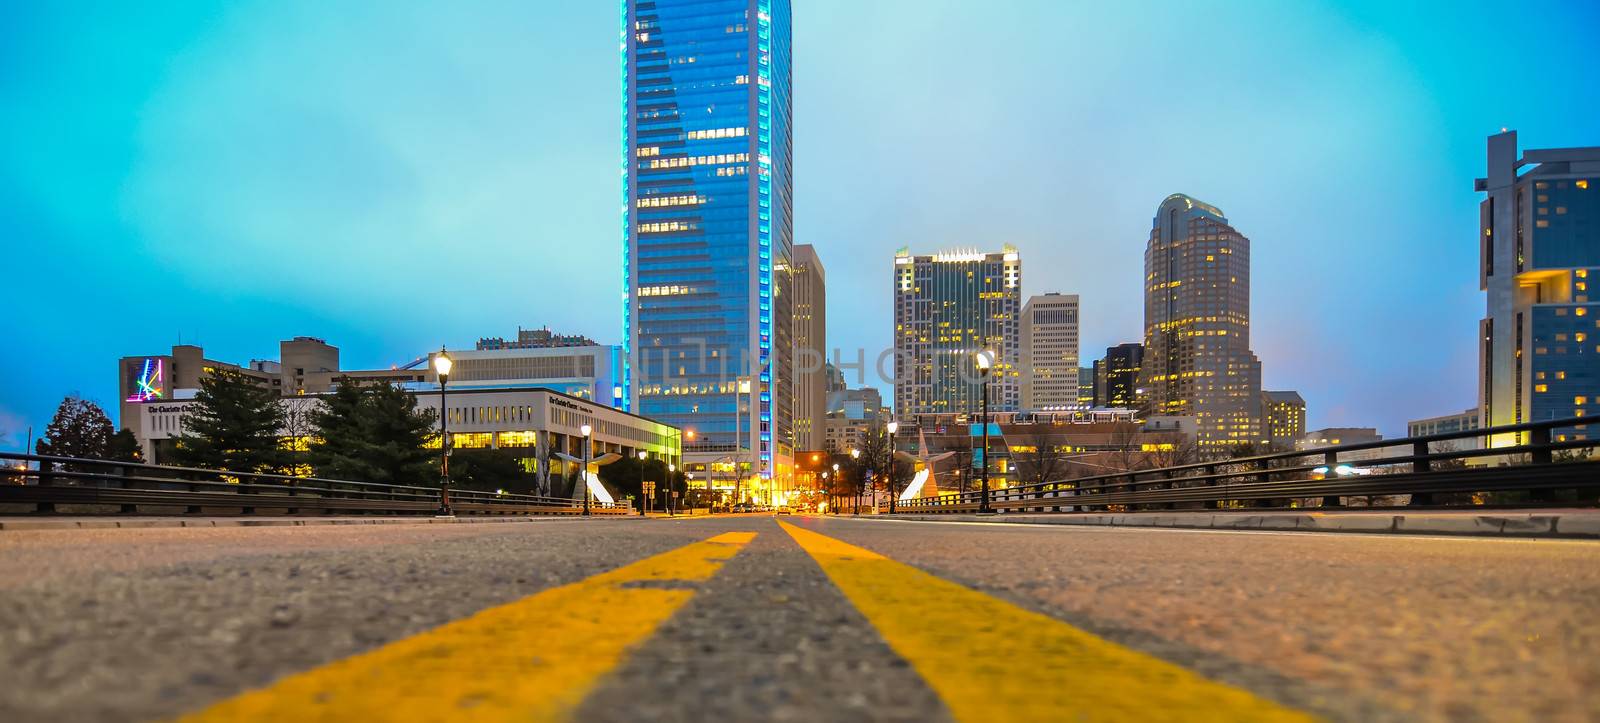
{"x": 583, "y": 474}
{"x": 892, "y": 428}
{"x": 643, "y": 499}
{"x": 442, "y": 364}
{"x": 672, "y": 470}
{"x": 831, "y": 495}
{"x": 855, "y": 456}
{"x": 985, "y": 362}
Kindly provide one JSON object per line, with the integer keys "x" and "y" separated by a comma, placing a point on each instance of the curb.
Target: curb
{"x": 1538, "y": 525}
{"x": 18, "y": 525}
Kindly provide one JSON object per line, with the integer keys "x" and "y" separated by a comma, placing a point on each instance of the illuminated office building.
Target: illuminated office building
{"x": 1538, "y": 251}
{"x": 947, "y": 308}
{"x": 1116, "y": 376}
{"x": 1050, "y": 351}
{"x": 1283, "y": 419}
{"x": 707, "y": 222}
{"x": 810, "y": 347}
{"x": 1197, "y": 358}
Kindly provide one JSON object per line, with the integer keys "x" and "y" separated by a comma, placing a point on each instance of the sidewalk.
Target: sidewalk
{"x": 19, "y": 523}
{"x": 1552, "y": 523}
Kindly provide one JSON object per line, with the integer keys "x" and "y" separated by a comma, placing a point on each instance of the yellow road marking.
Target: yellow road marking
{"x": 530, "y": 660}
{"x": 990, "y": 660}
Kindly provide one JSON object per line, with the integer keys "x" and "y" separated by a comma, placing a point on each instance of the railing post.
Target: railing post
{"x": 45, "y": 508}
{"x": 1421, "y": 464}
{"x": 126, "y": 508}
{"x": 1331, "y": 460}
{"x": 1539, "y": 440}
{"x": 192, "y": 509}
{"x": 1209, "y": 471}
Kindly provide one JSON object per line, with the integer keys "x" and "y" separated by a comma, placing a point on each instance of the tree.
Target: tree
{"x": 80, "y": 428}
{"x": 298, "y": 432}
{"x": 124, "y": 447}
{"x": 1040, "y": 459}
{"x": 234, "y": 426}
{"x": 373, "y": 433}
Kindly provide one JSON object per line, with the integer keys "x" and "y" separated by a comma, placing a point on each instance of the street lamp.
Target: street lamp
{"x": 643, "y": 500}
{"x": 583, "y": 474}
{"x": 892, "y": 427}
{"x": 672, "y": 469}
{"x": 442, "y": 364}
{"x": 985, "y": 364}
{"x": 855, "y": 457}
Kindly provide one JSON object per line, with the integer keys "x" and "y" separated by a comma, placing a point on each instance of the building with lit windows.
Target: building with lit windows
{"x": 1050, "y": 351}
{"x": 1283, "y": 418}
{"x": 307, "y": 367}
{"x": 852, "y": 414}
{"x": 1116, "y": 376}
{"x": 947, "y": 308}
{"x": 1197, "y": 359}
{"x": 707, "y": 223}
{"x": 541, "y": 338}
{"x": 810, "y": 348}
{"x": 1029, "y": 447}
{"x": 1447, "y": 424}
{"x": 535, "y": 424}
{"x": 1538, "y": 251}
{"x": 1335, "y": 436}
{"x": 585, "y": 372}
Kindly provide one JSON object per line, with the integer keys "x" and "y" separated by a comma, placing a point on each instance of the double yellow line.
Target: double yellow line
{"x": 531, "y": 660}
{"x": 536, "y": 659}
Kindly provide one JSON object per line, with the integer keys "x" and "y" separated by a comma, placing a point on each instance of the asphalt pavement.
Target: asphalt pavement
{"x": 743, "y": 618}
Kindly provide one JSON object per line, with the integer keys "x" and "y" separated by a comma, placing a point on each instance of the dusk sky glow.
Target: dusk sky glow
{"x": 393, "y": 177}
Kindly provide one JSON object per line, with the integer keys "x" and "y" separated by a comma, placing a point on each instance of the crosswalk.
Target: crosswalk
{"x": 539, "y": 658}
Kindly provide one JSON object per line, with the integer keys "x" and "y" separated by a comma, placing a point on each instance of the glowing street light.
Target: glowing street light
{"x": 442, "y": 363}
{"x": 672, "y": 469}
{"x": 985, "y": 360}
{"x": 893, "y": 427}
{"x": 583, "y": 474}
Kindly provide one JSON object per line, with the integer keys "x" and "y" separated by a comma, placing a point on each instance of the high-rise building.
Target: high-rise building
{"x": 707, "y": 222}
{"x": 1116, "y": 376}
{"x": 1283, "y": 418}
{"x": 1538, "y": 247}
{"x": 1050, "y": 351}
{"x": 947, "y": 308}
{"x": 541, "y": 338}
{"x": 1086, "y": 386}
{"x": 810, "y": 347}
{"x": 1197, "y": 358}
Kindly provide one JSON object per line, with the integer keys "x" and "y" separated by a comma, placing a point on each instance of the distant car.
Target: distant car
{"x": 784, "y": 510}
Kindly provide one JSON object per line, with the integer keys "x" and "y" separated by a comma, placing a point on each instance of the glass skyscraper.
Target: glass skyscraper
{"x": 1197, "y": 359}
{"x": 707, "y": 223}
{"x": 947, "y": 308}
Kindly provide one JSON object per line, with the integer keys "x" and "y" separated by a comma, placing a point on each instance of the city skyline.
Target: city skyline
{"x": 220, "y": 222}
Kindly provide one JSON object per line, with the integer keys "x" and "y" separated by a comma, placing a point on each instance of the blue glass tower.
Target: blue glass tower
{"x": 707, "y": 222}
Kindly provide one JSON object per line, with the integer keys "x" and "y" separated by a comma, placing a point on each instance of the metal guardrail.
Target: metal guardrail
{"x": 1429, "y": 476}
{"x": 50, "y": 483}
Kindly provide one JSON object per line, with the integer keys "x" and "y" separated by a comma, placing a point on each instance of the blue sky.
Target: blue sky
{"x": 396, "y": 176}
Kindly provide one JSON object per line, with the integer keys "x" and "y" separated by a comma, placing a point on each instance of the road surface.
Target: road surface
{"x": 792, "y": 619}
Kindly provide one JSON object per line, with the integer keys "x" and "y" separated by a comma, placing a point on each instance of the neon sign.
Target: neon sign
{"x": 147, "y": 381}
